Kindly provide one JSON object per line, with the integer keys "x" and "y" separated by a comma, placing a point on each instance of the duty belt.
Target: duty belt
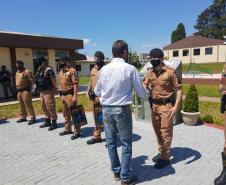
{"x": 70, "y": 92}
{"x": 162, "y": 101}
{"x": 24, "y": 89}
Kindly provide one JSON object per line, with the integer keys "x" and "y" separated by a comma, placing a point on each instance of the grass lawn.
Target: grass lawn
{"x": 212, "y": 109}
{"x": 84, "y": 80}
{"x": 204, "y": 90}
{"x": 212, "y": 67}
{"x": 139, "y": 68}
{"x": 9, "y": 111}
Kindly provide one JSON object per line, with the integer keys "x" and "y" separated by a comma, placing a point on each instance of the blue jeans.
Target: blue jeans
{"x": 118, "y": 119}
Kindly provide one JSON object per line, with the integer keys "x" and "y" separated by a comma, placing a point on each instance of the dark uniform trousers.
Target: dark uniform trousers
{"x": 25, "y": 102}
{"x": 66, "y": 103}
{"x": 163, "y": 127}
{"x": 225, "y": 134}
{"x": 48, "y": 104}
{"x": 6, "y": 87}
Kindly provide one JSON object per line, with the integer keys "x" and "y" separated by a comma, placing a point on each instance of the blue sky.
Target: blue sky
{"x": 143, "y": 24}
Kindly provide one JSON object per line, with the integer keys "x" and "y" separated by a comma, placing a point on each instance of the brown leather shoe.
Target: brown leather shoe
{"x": 65, "y": 133}
{"x": 93, "y": 141}
{"x": 117, "y": 176}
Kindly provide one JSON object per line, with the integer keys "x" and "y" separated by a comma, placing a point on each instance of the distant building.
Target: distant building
{"x": 143, "y": 58}
{"x": 27, "y": 47}
{"x": 196, "y": 49}
{"x": 84, "y": 66}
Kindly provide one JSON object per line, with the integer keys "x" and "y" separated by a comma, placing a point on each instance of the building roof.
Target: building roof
{"x": 23, "y": 40}
{"x": 193, "y": 42}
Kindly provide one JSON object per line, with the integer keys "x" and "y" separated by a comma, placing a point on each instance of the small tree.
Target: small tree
{"x": 179, "y": 33}
{"x": 191, "y": 102}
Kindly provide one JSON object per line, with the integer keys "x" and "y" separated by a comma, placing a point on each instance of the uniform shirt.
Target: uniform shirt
{"x": 163, "y": 83}
{"x": 93, "y": 76}
{"x": 5, "y": 76}
{"x": 24, "y": 79}
{"x": 116, "y": 82}
{"x": 68, "y": 78}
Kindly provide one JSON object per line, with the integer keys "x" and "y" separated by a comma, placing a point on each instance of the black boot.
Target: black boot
{"x": 32, "y": 121}
{"x": 53, "y": 125}
{"x": 161, "y": 163}
{"x": 156, "y": 158}
{"x": 21, "y": 120}
{"x": 47, "y": 123}
{"x": 221, "y": 180}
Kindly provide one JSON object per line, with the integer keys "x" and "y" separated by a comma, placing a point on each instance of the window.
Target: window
{"x": 196, "y": 51}
{"x": 78, "y": 67}
{"x": 209, "y": 51}
{"x": 58, "y": 55}
{"x": 186, "y": 52}
{"x": 36, "y": 54}
{"x": 175, "y": 53}
{"x": 91, "y": 66}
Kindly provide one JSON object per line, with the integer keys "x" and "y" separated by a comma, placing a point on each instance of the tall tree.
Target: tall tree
{"x": 173, "y": 36}
{"x": 212, "y": 21}
{"x": 179, "y": 33}
{"x": 133, "y": 58}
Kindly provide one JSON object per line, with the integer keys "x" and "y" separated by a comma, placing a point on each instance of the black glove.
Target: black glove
{"x": 91, "y": 94}
{"x": 223, "y": 103}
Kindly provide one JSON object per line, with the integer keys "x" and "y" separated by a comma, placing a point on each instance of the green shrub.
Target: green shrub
{"x": 191, "y": 102}
{"x": 207, "y": 118}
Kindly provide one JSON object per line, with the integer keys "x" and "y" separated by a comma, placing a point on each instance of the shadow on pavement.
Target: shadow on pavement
{"x": 180, "y": 154}
{"x": 3, "y": 121}
{"x": 135, "y": 138}
{"x": 147, "y": 172}
{"x": 87, "y": 132}
{"x": 40, "y": 120}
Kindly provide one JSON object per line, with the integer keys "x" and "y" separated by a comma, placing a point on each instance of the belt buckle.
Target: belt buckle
{"x": 164, "y": 101}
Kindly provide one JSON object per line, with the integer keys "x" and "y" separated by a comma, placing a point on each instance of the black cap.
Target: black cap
{"x": 65, "y": 58}
{"x": 99, "y": 54}
{"x": 19, "y": 62}
{"x": 156, "y": 53}
{"x": 41, "y": 59}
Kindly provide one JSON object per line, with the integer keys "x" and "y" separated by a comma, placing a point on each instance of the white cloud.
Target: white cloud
{"x": 88, "y": 42}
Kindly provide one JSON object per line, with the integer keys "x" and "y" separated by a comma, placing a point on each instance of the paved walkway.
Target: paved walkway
{"x": 30, "y": 155}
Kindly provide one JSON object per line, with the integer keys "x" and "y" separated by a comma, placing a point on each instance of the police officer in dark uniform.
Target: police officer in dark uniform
{"x": 5, "y": 79}
{"x": 46, "y": 84}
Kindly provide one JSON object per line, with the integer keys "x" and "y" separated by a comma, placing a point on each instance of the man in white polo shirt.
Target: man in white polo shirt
{"x": 114, "y": 87}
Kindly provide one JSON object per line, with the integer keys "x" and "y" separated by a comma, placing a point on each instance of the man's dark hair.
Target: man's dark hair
{"x": 99, "y": 54}
{"x": 3, "y": 67}
{"x": 65, "y": 59}
{"x": 41, "y": 59}
{"x": 19, "y": 62}
{"x": 118, "y": 48}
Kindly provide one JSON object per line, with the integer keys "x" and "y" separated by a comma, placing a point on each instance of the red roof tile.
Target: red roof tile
{"x": 193, "y": 42}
